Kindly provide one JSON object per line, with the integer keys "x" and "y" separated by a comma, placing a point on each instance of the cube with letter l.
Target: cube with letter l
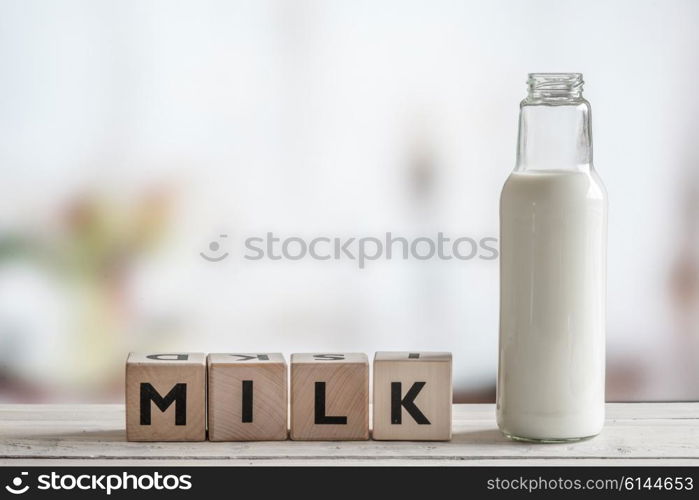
{"x": 329, "y": 397}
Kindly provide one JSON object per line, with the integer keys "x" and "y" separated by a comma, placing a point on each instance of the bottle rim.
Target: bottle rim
{"x": 555, "y": 87}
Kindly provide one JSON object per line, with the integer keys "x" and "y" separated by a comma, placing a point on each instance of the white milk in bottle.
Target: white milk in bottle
{"x": 553, "y": 223}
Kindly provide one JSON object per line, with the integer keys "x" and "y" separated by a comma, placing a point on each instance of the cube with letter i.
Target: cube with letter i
{"x": 329, "y": 396}
{"x": 412, "y": 396}
{"x": 247, "y": 397}
{"x": 166, "y": 397}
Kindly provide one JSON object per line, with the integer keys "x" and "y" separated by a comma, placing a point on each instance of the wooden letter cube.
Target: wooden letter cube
{"x": 247, "y": 397}
{"x": 329, "y": 397}
{"x": 166, "y": 397}
{"x": 412, "y": 396}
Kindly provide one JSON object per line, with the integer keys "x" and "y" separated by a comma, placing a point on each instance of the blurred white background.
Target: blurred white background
{"x": 133, "y": 133}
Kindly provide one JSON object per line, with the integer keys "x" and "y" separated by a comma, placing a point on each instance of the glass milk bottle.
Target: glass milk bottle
{"x": 553, "y": 229}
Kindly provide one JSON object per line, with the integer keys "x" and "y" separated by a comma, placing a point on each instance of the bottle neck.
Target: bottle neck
{"x": 554, "y": 125}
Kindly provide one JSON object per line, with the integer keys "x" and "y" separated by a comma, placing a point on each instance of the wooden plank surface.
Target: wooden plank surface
{"x": 635, "y": 433}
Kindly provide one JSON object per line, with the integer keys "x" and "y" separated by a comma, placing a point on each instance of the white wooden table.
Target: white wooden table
{"x": 635, "y": 434}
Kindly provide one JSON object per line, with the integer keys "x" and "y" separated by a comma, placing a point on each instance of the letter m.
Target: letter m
{"x": 178, "y": 395}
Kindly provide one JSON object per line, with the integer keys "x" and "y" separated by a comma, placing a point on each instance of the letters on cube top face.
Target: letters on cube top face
{"x": 247, "y": 397}
{"x": 329, "y": 396}
{"x": 412, "y": 396}
{"x": 166, "y": 397}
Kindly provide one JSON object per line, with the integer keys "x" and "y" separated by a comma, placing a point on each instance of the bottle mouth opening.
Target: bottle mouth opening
{"x": 555, "y": 86}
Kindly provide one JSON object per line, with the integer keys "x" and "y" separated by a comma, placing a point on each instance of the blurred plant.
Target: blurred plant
{"x": 91, "y": 254}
